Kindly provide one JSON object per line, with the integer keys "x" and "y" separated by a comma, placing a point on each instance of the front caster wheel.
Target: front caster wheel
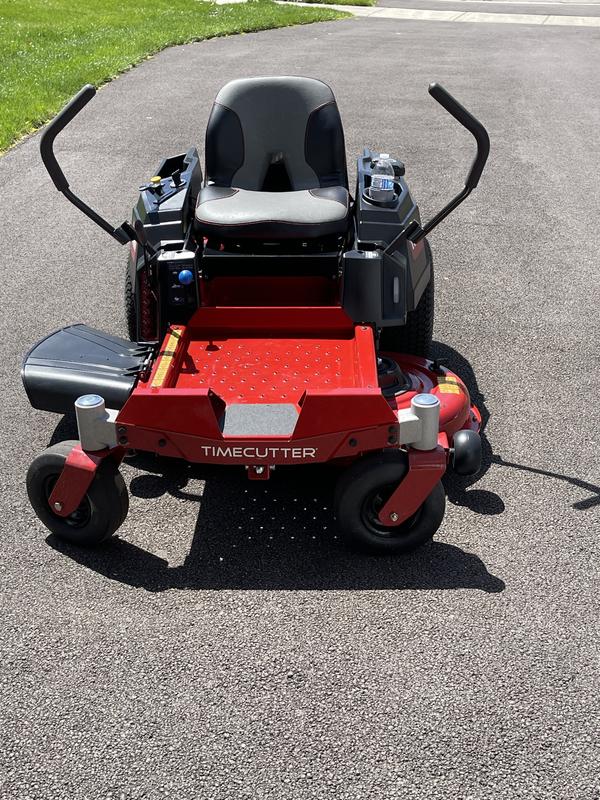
{"x": 100, "y": 513}
{"x": 362, "y": 492}
{"x": 466, "y": 455}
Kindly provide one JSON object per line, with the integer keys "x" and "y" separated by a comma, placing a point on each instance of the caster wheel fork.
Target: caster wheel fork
{"x": 101, "y": 511}
{"x": 363, "y": 493}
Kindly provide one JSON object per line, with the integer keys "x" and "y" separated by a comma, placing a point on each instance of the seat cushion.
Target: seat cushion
{"x": 240, "y": 214}
{"x": 289, "y": 120}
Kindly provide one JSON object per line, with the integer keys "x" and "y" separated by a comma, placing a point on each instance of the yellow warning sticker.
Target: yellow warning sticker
{"x": 165, "y": 359}
{"x": 448, "y": 385}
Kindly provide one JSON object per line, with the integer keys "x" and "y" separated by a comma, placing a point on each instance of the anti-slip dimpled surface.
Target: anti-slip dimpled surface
{"x": 270, "y": 370}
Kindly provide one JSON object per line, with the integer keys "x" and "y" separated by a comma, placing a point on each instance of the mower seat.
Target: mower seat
{"x": 275, "y": 162}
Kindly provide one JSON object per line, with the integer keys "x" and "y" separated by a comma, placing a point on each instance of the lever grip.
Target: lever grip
{"x": 60, "y": 121}
{"x": 472, "y": 124}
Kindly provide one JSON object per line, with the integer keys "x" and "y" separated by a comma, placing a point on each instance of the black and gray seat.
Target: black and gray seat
{"x": 275, "y": 162}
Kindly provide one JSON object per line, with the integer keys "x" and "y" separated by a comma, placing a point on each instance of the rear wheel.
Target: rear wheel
{"x": 130, "y": 310}
{"x": 362, "y": 492}
{"x": 415, "y": 336}
{"x": 100, "y": 513}
{"x": 140, "y": 311}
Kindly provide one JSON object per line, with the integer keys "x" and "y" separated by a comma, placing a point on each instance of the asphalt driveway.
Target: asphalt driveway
{"x": 226, "y": 645}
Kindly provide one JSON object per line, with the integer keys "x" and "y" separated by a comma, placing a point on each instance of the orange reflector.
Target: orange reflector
{"x": 165, "y": 359}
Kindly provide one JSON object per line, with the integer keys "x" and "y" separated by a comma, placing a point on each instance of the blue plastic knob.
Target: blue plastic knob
{"x": 185, "y": 277}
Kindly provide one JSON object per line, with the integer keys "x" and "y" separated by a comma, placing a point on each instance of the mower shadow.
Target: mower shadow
{"x": 458, "y": 490}
{"x": 269, "y": 536}
{"x": 482, "y": 501}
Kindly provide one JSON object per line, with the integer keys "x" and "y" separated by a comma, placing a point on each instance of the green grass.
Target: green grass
{"x": 50, "y": 48}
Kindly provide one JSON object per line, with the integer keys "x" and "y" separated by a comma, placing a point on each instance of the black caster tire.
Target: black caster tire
{"x": 415, "y": 336}
{"x": 102, "y": 510}
{"x": 466, "y": 456}
{"x": 362, "y": 491}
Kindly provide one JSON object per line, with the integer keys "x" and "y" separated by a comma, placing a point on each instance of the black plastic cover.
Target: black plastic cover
{"x": 375, "y": 287}
{"x": 79, "y": 360}
{"x": 166, "y": 216}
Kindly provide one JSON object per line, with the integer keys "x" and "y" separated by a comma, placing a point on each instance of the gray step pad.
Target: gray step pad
{"x": 260, "y": 419}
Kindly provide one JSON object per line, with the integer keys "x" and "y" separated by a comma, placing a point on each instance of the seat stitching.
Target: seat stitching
{"x": 344, "y": 203}
{"x": 214, "y": 199}
{"x": 269, "y": 222}
{"x": 332, "y": 102}
{"x": 234, "y": 112}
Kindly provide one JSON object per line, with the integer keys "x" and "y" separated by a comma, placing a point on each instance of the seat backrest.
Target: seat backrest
{"x": 276, "y": 134}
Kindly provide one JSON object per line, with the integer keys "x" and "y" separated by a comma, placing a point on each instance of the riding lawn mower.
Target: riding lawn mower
{"x": 273, "y": 320}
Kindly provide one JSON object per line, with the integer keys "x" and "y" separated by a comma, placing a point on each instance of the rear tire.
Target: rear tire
{"x": 361, "y": 493}
{"x": 140, "y": 306}
{"x": 100, "y": 513}
{"x": 130, "y": 310}
{"x": 415, "y": 336}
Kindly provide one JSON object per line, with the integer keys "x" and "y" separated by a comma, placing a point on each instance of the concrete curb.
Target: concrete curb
{"x": 418, "y": 14}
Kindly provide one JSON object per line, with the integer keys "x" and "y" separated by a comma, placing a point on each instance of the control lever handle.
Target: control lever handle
{"x": 472, "y": 124}
{"x": 122, "y": 234}
{"x": 60, "y": 121}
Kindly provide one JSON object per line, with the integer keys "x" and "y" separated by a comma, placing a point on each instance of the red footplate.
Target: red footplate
{"x": 276, "y": 386}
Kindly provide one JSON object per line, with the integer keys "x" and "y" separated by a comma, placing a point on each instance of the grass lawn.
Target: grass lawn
{"x": 50, "y": 48}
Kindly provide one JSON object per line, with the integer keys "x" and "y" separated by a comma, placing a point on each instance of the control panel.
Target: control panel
{"x": 178, "y": 285}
